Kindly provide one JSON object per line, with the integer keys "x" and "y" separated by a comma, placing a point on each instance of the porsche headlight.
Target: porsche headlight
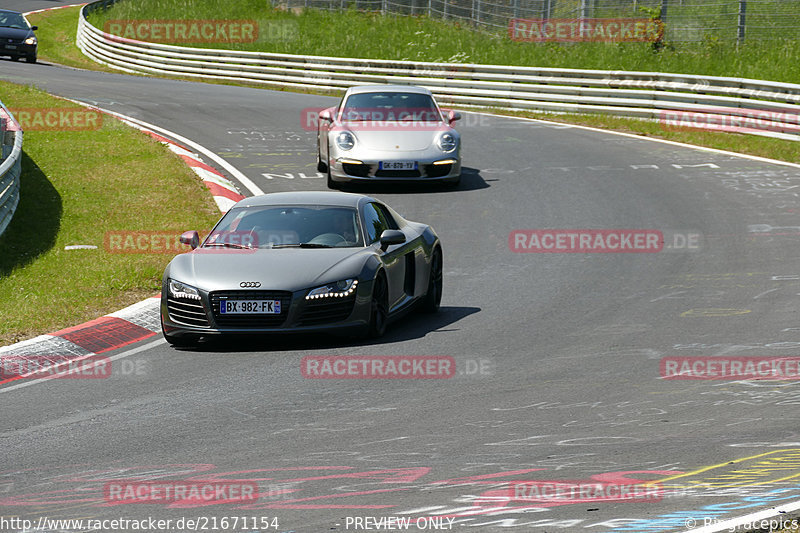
{"x": 345, "y": 140}
{"x": 30, "y": 40}
{"x": 338, "y": 289}
{"x": 181, "y": 290}
{"x": 447, "y": 142}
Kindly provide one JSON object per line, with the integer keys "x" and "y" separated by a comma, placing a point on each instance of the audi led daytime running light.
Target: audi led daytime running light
{"x": 179, "y": 290}
{"x": 339, "y": 289}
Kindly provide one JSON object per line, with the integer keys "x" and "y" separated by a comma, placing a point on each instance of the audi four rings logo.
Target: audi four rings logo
{"x": 250, "y": 284}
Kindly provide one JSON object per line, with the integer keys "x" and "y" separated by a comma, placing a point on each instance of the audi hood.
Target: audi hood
{"x": 289, "y": 269}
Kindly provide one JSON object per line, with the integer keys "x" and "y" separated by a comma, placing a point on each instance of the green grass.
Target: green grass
{"x": 56, "y": 34}
{"x": 352, "y": 33}
{"x": 75, "y": 187}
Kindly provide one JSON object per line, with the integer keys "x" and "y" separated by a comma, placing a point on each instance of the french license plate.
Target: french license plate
{"x": 250, "y": 307}
{"x": 398, "y": 165}
{"x": 11, "y": 47}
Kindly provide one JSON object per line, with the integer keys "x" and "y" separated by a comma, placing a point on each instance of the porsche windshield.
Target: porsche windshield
{"x": 390, "y": 106}
{"x": 287, "y": 227}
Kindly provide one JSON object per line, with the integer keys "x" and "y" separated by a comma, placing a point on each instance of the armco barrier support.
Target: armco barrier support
{"x": 749, "y": 106}
{"x": 10, "y": 167}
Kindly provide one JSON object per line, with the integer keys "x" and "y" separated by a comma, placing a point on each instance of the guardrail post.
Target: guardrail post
{"x": 10, "y": 168}
{"x": 742, "y": 21}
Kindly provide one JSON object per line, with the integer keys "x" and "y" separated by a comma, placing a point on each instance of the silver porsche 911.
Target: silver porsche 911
{"x": 388, "y": 133}
{"x": 301, "y": 261}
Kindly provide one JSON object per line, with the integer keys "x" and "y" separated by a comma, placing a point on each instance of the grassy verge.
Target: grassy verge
{"x": 56, "y": 34}
{"x": 76, "y": 187}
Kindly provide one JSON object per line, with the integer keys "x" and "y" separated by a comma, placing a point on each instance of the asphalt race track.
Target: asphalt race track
{"x": 557, "y": 354}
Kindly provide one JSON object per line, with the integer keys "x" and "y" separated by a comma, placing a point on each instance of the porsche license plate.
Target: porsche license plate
{"x": 250, "y": 307}
{"x": 11, "y": 47}
{"x": 398, "y": 165}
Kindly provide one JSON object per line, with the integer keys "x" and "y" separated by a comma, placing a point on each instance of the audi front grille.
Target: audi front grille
{"x": 327, "y": 310}
{"x": 187, "y": 312}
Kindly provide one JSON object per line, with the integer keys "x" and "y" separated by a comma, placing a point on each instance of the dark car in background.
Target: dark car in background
{"x": 17, "y": 39}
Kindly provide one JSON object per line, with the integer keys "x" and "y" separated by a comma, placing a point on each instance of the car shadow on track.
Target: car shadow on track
{"x": 471, "y": 180}
{"x": 410, "y": 327}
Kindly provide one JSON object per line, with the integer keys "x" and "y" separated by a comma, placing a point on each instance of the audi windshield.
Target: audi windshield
{"x": 286, "y": 227}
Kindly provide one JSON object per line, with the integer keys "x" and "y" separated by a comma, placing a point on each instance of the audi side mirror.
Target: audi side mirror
{"x": 192, "y": 238}
{"x": 390, "y": 237}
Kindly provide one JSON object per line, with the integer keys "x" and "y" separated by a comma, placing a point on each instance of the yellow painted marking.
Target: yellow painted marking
{"x": 745, "y": 472}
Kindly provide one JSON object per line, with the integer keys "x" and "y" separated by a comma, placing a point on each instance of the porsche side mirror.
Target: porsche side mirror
{"x": 390, "y": 237}
{"x": 325, "y": 115}
{"x": 452, "y": 116}
{"x": 192, "y": 238}
{"x": 34, "y": 28}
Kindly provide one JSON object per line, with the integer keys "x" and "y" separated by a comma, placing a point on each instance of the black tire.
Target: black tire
{"x": 379, "y": 308}
{"x": 321, "y": 167}
{"x": 433, "y": 298}
{"x": 14, "y": 58}
{"x": 333, "y": 184}
{"x": 31, "y": 59}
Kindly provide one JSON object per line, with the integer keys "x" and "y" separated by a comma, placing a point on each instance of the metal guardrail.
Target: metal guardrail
{"x": 10, "y": 166}
{"x": 678, "y": 100}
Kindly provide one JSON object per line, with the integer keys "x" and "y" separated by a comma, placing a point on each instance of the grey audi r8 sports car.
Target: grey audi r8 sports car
{"x": 301, "y": 261}
{"x": 388, "y": 133}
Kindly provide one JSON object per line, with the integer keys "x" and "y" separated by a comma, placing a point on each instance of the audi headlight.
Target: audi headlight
{"x": 338, "y": 289}
{"x": 447, "y": 142}
{"x": 181, "y": 290}
{"x": 30, "y": 40}
{"x": 345, "y": 140}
